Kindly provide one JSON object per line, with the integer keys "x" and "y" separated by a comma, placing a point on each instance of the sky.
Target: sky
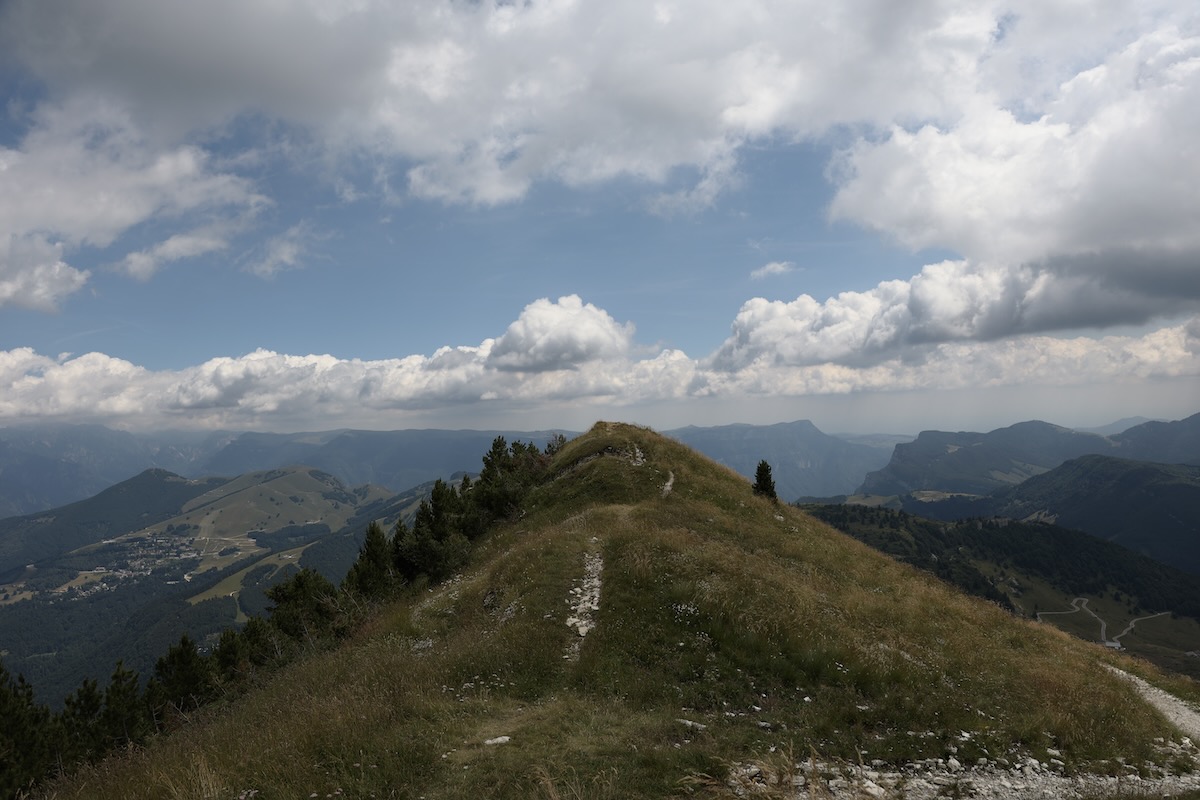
{"x": 313, "y": 214}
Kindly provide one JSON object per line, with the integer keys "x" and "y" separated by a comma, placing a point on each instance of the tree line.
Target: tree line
{"x": 307, "y": 612}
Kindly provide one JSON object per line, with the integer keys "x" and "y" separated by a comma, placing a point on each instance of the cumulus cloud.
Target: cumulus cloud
{"x": 1048, "y": 145}
{"x": 948, "y": 301}
{"x": 1080, "y": 200}
{"x": 1107, "y": 164}
{"x": 555, "y": 353}
{"x": 33, "y": 274}
{"x": 560, "y": 335}
{"x": 483, "y": 99}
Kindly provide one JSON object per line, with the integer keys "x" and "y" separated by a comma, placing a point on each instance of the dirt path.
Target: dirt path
{"x": 1177, "y": 712}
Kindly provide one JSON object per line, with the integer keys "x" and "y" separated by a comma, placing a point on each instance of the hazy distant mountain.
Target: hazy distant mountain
{"x": 393, "y": 459}
{"x": 804, "y": 461}
{"x": 980, "y": 463}
{"x": 977, "y": 463}
{"x": 47, "y": 466}
{"x": 1165, "y": 442}
{"x": 51, "y": 465}
{"x": 1120, "y": 426}
{"x": 43, "y": 466}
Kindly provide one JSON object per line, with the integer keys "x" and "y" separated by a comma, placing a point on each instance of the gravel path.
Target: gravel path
{"x": 1177, "y": 712}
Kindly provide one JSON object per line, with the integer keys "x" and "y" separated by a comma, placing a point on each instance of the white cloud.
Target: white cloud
{"x": 33, "y": 274}
{"x": 560, "y": 335}
{"x": 83, "y": 176}
{"x": 480, "y": 100}
{"x": 773, "y": 268}
{"x": 1049, "y": 145}
{"x": 486, "y": 98}
{"x": 286, "y": 251}
{"x": 573, "y": 356}
{"x": 1107, "y": 164}
{"x": 1083, "y": 197}
{"x": 144, "y": 263}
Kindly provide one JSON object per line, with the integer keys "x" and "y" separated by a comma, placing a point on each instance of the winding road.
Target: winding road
{"x": 1081, "y": 604}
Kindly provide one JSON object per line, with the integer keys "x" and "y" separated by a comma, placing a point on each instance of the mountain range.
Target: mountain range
{"x": 804, "y": 460}
{"x": 1149, "y": 508}
{"x": 47, "y": 466}
{"x": 978, "y": 463}
{"x": 169, "y": 553}
{"x": 642, "y": 625}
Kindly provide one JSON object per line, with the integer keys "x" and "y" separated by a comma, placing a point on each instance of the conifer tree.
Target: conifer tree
{"x": 125, "y": 719}
{"x": 304, "y": 605}
{"x": 26, "y": 748}
{"x": 764, "y": 484}
{"x": 371, "y": 575}
{"x": 231, "y": 656}
{"x": 81, "y": 734}
{"x": 263, "y": 642}
{"x": 183, "y": 679}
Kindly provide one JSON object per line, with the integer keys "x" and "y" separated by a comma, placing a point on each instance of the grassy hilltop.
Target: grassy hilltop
{"x": 643, "y": 626}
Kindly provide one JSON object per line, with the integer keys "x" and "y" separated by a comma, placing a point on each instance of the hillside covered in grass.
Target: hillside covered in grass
{"x": 1044, "y": 571}
{"x": 644, "y": 626}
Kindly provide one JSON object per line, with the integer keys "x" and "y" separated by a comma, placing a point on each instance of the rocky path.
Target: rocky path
{"x": 1026, "y": 779}
{"x": 584, "y": 600}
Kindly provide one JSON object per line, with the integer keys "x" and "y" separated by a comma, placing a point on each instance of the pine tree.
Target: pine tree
{"x": 371, "y": 575}
{"x": 81, "y": 732}
{"x": 764, "y": 484}
{"x": 183, "y": 680}
{"x": 304, "y": 605}
{"x": 26, "y": 751}
{"x": 231, "y": 656}
{"x": 125, "y": 719}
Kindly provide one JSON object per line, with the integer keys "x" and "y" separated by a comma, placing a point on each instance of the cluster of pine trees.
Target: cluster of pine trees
{"x": 308, "y": 611}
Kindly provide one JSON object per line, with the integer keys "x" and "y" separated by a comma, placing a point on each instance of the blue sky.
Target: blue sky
{"x": 301, "y": 215}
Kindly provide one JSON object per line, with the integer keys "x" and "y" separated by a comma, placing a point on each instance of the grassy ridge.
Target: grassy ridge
{"x": 728, "y": 625}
